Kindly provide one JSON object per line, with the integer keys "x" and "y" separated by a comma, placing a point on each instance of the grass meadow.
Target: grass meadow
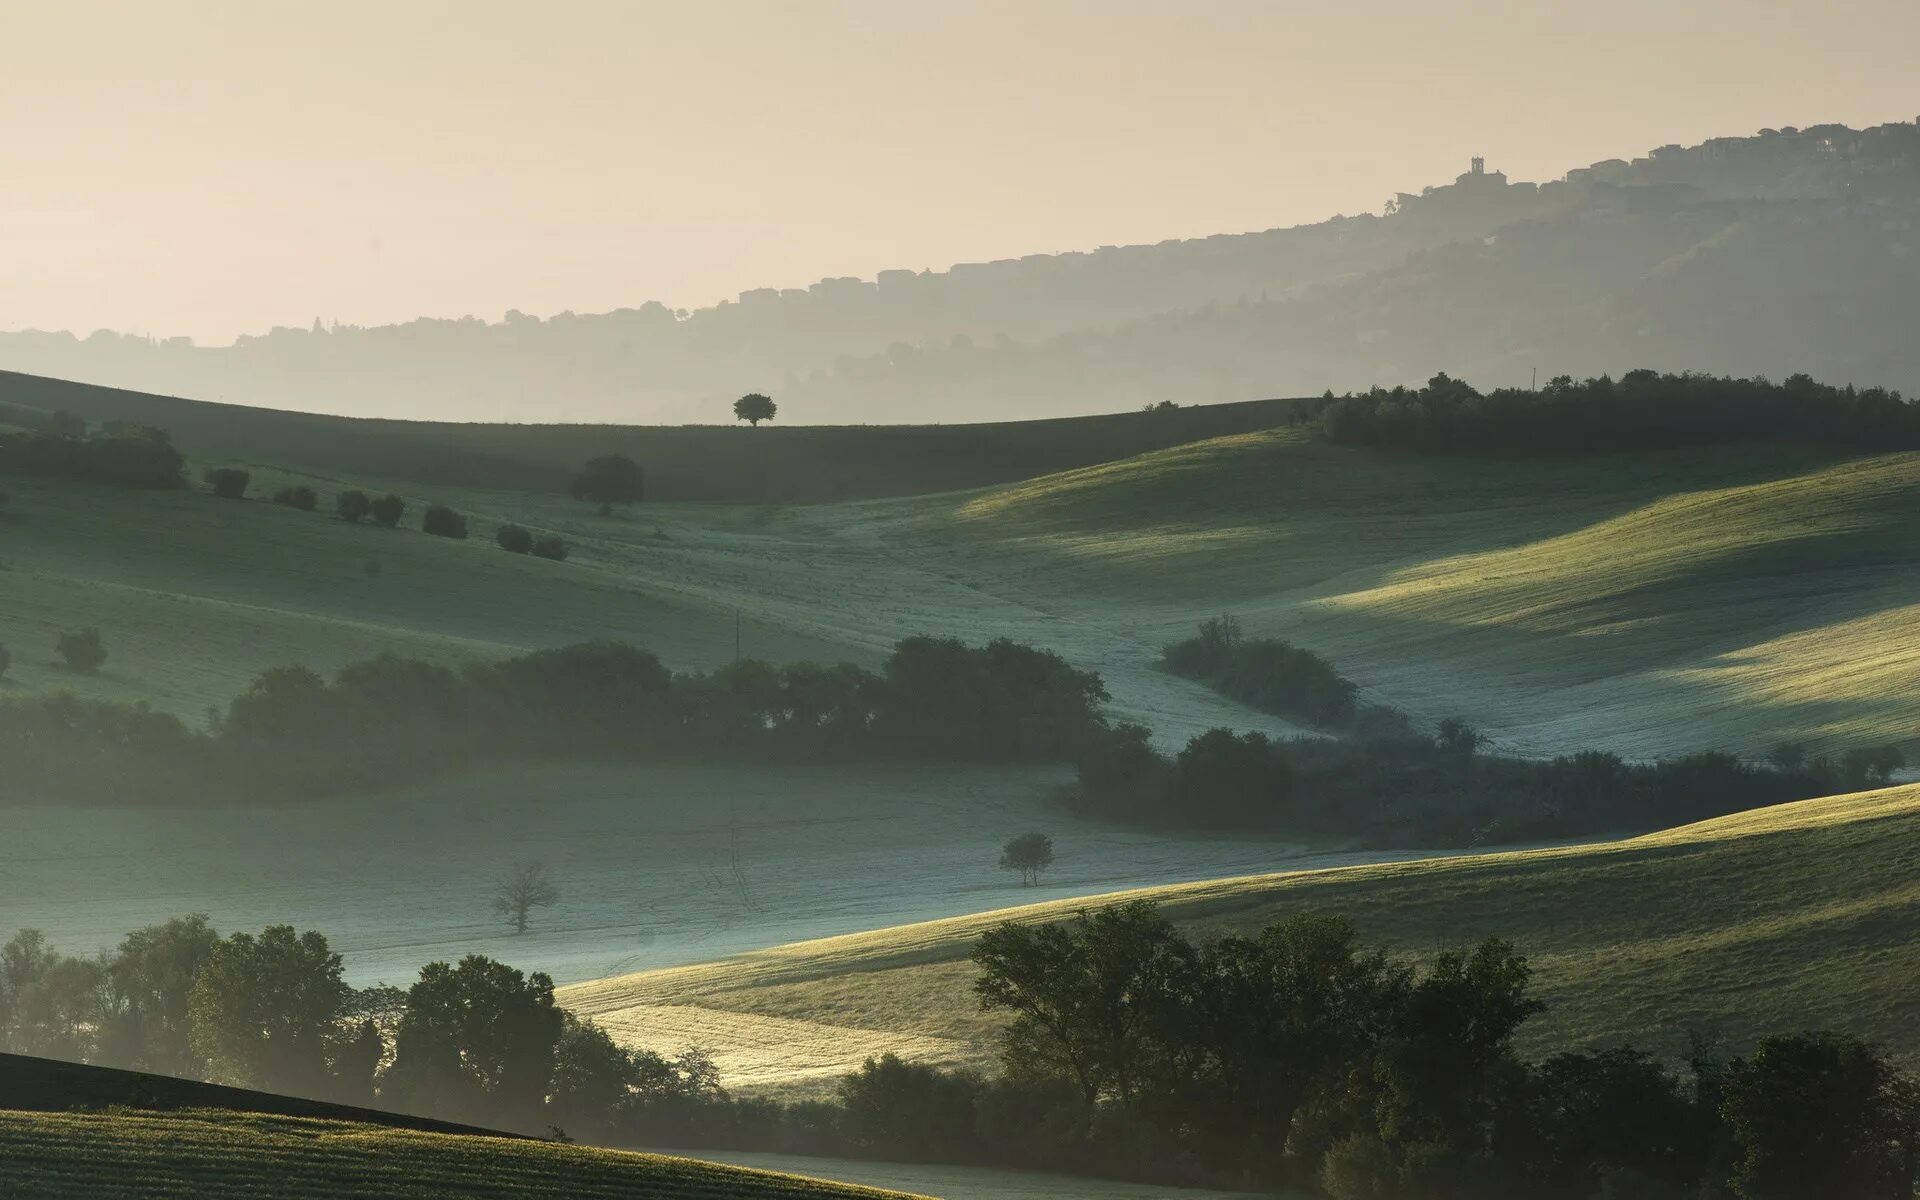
{"x": 1787, "y": 917}
{"x": 216, "y": 1155}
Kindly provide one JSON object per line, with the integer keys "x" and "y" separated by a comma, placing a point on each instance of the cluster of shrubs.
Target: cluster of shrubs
{"x": 1392, "y": 787}
{"x": 1297, "y": 1058}
{"x": 293, "y": 733}
{"x": 120, "y": 454}
{"x": 517, "y": 540}
{"x": 1268, "y": 674}
{"x": 1643, "y": 410}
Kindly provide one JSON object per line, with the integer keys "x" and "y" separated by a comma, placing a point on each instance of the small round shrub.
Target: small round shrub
{"x": 550, "y": 547}
{"x": 513, "y": 539}
{"x": 228, "y": 483}
{"x": 441, "y": 521}
{"x": 388, "y": 510}
{"x": 6, "y": 660}
{"x": 353, "y": 506}
{"x": 82, "y": 650}
{"x": 298, "y": 496}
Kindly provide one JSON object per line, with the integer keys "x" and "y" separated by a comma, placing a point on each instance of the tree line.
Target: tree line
{"x": 1390, "y": 785}
{"x": 1642, "y": 410}
{"x": 1296, "y": 1057}
{"x": 293, "y": 733}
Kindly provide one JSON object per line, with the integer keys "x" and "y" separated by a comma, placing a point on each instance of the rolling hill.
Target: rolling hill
{"x": 1789, "y": 250}
{"x": 68, "y": 1129}
{"x": 1778, "y": 919}
{"x": 214, "y": 1155}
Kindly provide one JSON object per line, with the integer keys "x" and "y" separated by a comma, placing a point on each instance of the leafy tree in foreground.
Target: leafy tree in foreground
{"x": 609, "y": 480}
{"x": 1029, "y": 854}
{"x": 1820, "y": 1114}
{"x": 476, "y": 1042}
{"x": 528, "y": 887}
{"x": 754, "y": 408}
{"x": 388, "y": 510}
{"x": 265, "y": 1011}
{"x": 1080, "y": 994}
{"x": 353, "y": 506}
{"x": 150, "y": 981}
{"x": 82, "y": 650}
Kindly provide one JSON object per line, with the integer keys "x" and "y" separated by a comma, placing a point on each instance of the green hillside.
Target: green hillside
{"x": 779, "y": 462}
{"x": 1783, "y": 918}
{"x": 212, "y": 1155}
{"x": 1651, "y": 604}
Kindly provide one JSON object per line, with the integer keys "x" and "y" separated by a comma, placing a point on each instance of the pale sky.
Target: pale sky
{"x": 207, "y": 168}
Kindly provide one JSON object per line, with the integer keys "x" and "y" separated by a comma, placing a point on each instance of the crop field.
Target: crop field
{"x": 972, "y": 1183}
{"x": 212, "y": 1155}
{"x": 1794, "y": 916}
{"x": 656, "y": 865}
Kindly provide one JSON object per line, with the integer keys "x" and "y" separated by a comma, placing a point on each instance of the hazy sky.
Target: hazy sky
{"x": 187, "y": 166}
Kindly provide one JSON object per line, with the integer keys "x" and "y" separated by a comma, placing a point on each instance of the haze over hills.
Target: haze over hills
{"x": 1796, "y": 250}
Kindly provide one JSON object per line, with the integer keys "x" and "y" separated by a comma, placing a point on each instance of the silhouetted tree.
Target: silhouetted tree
{"x": 609, "y": 480}
{"x": 526, "y": 888}
{"x": 49, "y": 1002}
{"x": 513, "y": 539}
{"x": 476, "y": 1043}
{"x": 1079, "y": 993}
{"x": 228, "y": 483}
{"x": 754, "y": 408}
{"x": 265, "y": 1011}
{"x": 146, "y": 1021}
{"x": 593, "y": 1079}
{"x": 1820, "y": 1115}
{"x": 441, "y": 521}
{"x": 1029, "y": 854}
{"x": 388, "y": 510}
{"x": 353, "y": 506}
{"x": 82, "y": 650}
{"x": 554, "y": 548}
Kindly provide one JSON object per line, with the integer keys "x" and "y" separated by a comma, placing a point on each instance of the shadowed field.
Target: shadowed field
{"x": 1782, "y": 918}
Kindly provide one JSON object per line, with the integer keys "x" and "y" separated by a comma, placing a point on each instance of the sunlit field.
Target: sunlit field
{"x": 217, "y": 1155}
{"x": 1777, "y": 919}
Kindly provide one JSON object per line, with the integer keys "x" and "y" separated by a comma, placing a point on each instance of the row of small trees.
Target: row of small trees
{"x": 355, "y": 506}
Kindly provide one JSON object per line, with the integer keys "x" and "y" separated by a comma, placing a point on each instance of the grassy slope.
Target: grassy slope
{"x": 195, "y": 595}
{"x": 1650, "y": 603}
{"x": 1798, "y": 915}
{"x": 213, "y": 1154}
{"x": 691, "y": 462}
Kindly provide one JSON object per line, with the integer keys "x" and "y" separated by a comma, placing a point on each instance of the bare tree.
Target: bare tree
{"x": 1029, "y": 854}
{"x": 528, "y": 887}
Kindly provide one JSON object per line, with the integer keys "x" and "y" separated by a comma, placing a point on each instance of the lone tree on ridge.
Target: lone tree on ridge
{"x": 754, "y": 408}
{"x": 526, "y": 888}
{"x": 1029, "y": 854}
